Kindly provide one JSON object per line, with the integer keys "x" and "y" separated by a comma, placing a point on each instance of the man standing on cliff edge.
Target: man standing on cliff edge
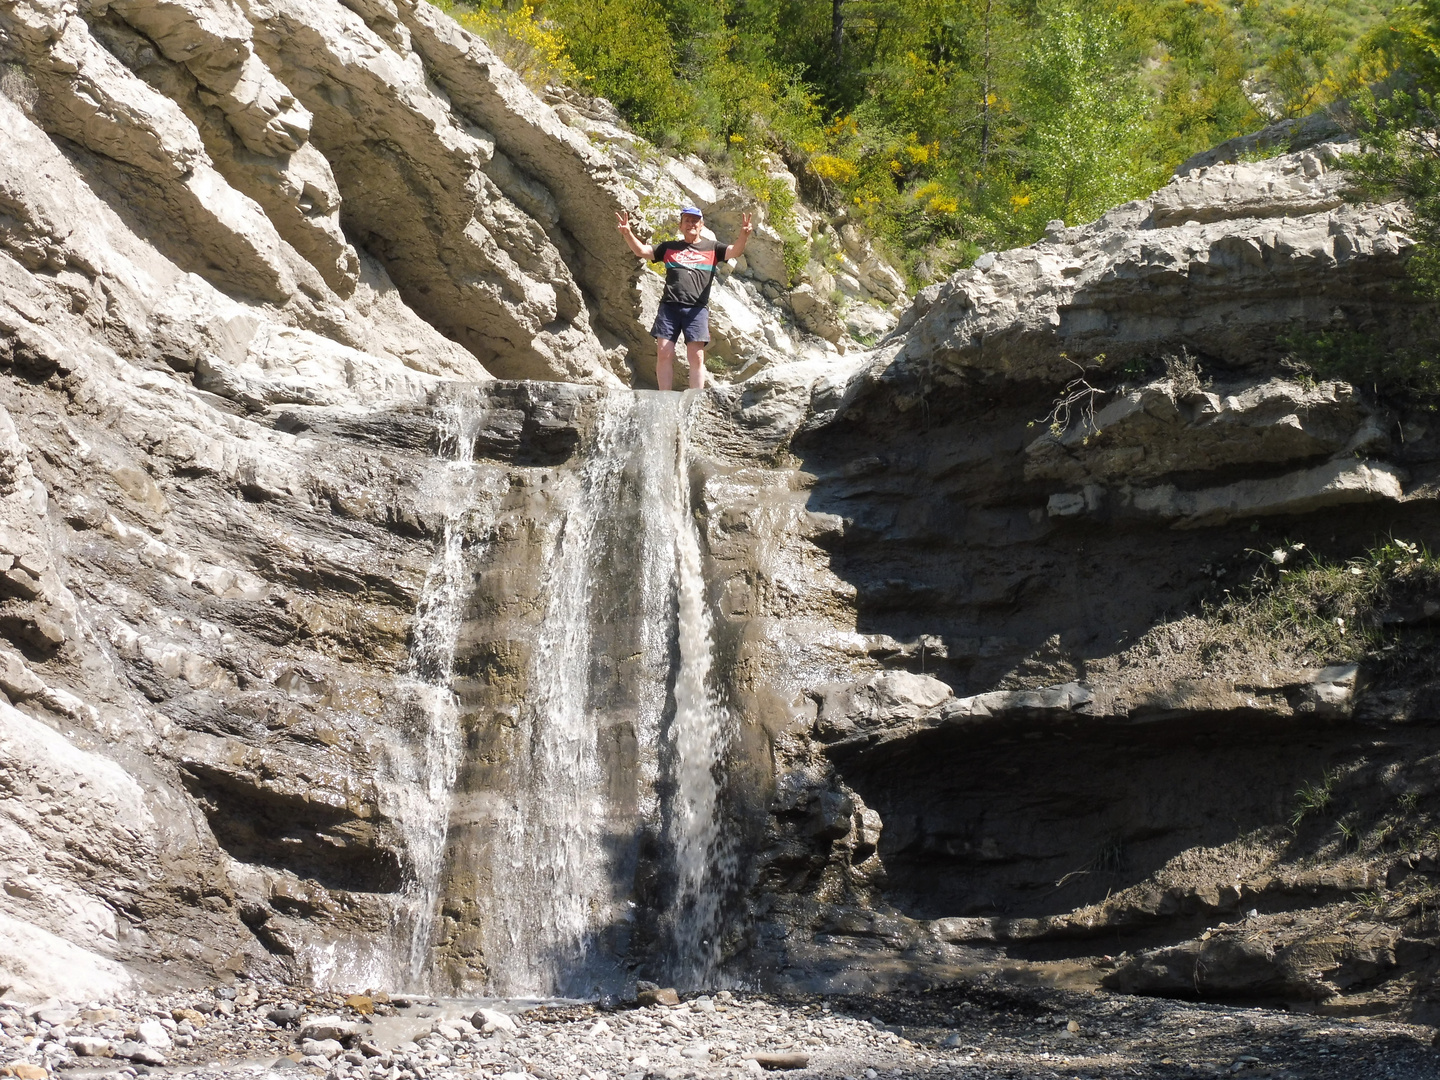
{"x": 690, "y": 266}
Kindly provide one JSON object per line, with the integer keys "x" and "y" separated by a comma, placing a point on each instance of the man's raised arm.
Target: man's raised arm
{"x": 642, "y": 251}
{"x": 735, "y": 250}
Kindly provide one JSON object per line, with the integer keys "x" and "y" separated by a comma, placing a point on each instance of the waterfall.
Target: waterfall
{"x": 424, "y": 766}
{"x": 548, "y": 864}
{"x": 626, "y": 619}
{"x": 700, "y": 734}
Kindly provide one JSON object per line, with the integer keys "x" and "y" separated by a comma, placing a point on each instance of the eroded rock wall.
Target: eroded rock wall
{"x": 974, "y": 628}
{"x": 246, "y": 254}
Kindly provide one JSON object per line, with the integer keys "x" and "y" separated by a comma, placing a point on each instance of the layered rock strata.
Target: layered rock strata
{"x": 245, "y": 252}
{"x": 294, "y": 155}
{"x": 1004, "y": 732}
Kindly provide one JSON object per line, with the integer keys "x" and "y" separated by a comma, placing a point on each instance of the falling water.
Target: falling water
{"x": 550, "y": 870}
{"x": 700, "y": 734}
{"x": 425, "y": 767}
{"x": 558, "y": 858}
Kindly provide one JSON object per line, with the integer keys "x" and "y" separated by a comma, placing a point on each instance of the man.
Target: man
{"x": 690, "y": 266}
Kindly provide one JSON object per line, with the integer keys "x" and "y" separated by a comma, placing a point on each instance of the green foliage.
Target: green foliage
{"x": 1085, "y": 142}
{"x": 1298, "y": 607}
{"x": 796, "y": 253}
{"x": 949, "y": 127}
{"x": 1401, "y": 156}
{"x": 1407, "y": 375}
{"x": 531, "y": 46}
{"x": 1314, "y": 798}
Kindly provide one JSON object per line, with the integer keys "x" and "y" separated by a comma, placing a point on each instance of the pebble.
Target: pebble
{"x": 970, "y": 1031}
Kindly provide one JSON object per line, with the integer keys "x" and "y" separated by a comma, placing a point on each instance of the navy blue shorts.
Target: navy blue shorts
{"x": 672, "y": 320}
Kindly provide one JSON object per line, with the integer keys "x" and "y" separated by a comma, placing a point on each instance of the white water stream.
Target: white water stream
{"x": 620, "y": 743}
{"x": 424, "y": 769}
{"x": 558, "y": 884}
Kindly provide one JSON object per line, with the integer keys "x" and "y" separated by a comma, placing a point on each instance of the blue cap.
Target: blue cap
{"x": 694, "y": 210}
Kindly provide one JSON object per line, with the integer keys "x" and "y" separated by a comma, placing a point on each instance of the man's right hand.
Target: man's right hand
{"x": 622, "y": 222}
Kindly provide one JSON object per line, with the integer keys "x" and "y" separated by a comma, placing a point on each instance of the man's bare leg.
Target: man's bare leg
{"x": 664, "y": 362}
{"x": 695, "y": 353}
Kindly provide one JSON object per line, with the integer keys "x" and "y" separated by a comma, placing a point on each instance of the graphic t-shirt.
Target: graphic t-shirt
{"x": 689, "y": 270}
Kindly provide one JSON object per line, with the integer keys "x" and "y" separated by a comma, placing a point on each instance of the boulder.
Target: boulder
{"x": 490, "y": 1020}
{"x": 328, "y": 1028}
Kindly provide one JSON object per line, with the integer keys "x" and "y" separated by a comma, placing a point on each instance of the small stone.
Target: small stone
{"x": 282, "y": 1015}
{"x": 139, "y": 1053}
{"x": 361, "y": 1003}
{"x": 1072, "y": 1026}
{"x": 658, "y": 996}
{"x": 697, "y": 1051}
{"x": 779, "y": 1061}
{"x": 320, "y": 1028}
{"x": 23, "y": 1070}
{"x": 88, "y": 1047}
{"x": 195, "y": 1016}
{"x": 325, "y": 1048}
{"x": 152, "y": 1033}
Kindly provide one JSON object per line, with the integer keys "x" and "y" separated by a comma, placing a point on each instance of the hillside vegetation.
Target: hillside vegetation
{"x": 948, "y": 126}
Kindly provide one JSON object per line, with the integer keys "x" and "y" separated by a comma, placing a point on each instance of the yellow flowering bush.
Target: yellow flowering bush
{"x": 531, "y": 46}
{"x": 835, "y": 169}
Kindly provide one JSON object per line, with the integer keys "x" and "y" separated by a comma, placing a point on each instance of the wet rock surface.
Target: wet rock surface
{"x": 971, "y": 1028}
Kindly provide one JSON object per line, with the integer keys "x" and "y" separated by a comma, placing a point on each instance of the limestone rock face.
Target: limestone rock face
{"x": 307, "y": 157}
{"x": 1229, "y": 259}
{"x": 1075, "y": 724}
{"x": 252, "y": 258}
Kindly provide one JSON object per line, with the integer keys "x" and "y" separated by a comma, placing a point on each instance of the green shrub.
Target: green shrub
{"x": 1299, "y": 607}
{"x": 1408, "y": 375}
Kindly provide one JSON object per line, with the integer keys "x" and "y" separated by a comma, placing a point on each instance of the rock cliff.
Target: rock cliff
{"x": 1010, "y": 727}
{"x": 313, "y": 321}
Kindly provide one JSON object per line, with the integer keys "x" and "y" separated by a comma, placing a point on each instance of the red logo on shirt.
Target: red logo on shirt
{"x": 690, "y": 257}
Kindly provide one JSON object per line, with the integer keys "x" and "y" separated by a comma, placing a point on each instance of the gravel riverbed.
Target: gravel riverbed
{"x": 977, "y": 1030}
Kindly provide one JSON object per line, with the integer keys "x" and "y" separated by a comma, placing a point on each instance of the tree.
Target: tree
{"x": 1085, "y": 146}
